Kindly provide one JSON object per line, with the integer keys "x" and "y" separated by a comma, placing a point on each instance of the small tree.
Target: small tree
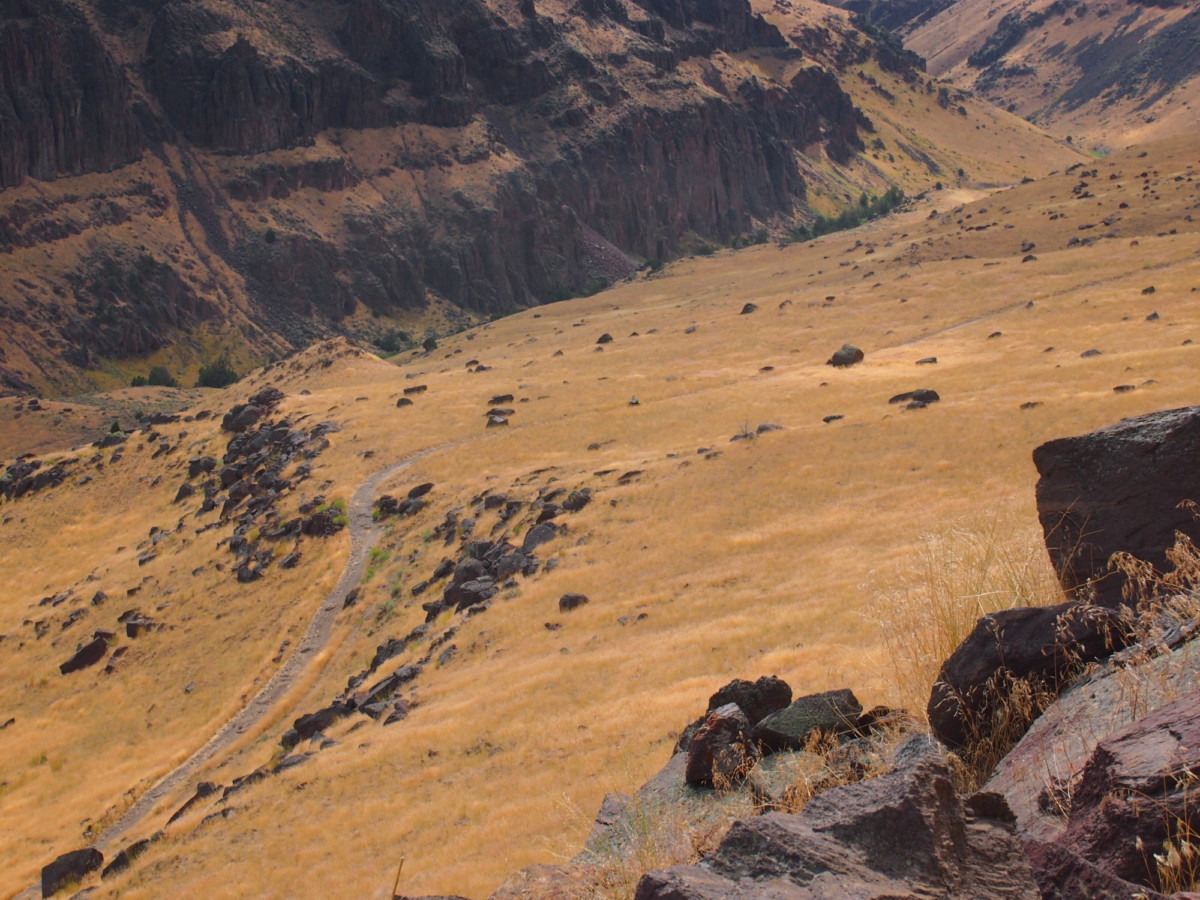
{"x": 160, "y": 376}
{"x": 217, "y": 374}
{"x": 392, "y": 341}
{"x": 430, "y": 343}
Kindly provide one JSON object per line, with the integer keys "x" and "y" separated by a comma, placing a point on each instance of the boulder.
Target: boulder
{"x": 469, "y": 569}
{"x": 87, "y": 655}
{"x": 68, "y": 868}
{"x": 577, "y": 500}
{"x": 308, "y": 725}
{"x": 923, "y": 396}
{"x": 757, "y": 699}
{"x": 721, "y": 748}
{"x": 242, "y": 417}
{"x": 125, "y": 858}
{"x": 1043, "y": 643}
{"x": 538, "y": 535}
{"x": 848, "y": 355}
{"x": 568, "y": 602}
{"x": 901, "y": 836}
{"x": 204, "y": 790}
{"x": 831, "y": 712}
{"x": 383, "y": 690}
{"x": 1118, "y": 489}
{"x": 469, "y": 593}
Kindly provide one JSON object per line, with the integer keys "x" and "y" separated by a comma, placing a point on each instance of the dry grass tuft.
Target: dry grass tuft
{"x": 827, "y": 763}
{"x": 962, "y": 574}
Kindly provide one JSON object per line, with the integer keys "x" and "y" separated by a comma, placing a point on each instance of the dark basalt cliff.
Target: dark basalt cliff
{"x": 65, "y": 106}
{"x": 508, "y": 152}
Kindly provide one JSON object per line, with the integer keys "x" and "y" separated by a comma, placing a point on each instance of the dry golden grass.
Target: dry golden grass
{"x": 771, "y": 557}
{"x": 959, "y": 575}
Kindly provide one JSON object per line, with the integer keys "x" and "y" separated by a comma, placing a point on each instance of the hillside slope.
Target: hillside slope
{"x": 708, "y": 547}
{"x": 1107, "y": 74}
{"x": 182, "y": 180}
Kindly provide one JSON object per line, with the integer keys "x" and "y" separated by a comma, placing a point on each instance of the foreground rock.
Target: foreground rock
{"x": 1041, "y": 645}
{"x": 902, "y": 835}
{"x": 832, "y": 713}
{"x": 1118, "y": 489}
{"x": 721, "y": 749}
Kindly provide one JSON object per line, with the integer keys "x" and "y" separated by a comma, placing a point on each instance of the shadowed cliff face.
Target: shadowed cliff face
{"x": 65, "y": 107}
{"x": 390, "y": 149}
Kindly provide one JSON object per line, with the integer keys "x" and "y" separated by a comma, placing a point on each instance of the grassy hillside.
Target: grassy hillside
{"x": 704, "y": 558}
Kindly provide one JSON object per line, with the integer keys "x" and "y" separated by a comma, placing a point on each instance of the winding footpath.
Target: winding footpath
{"x": 363, "y": 535}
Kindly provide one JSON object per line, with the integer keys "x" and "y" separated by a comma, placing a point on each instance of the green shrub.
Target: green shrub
{"x": 867, "y": 208}
{"x": 138, "y": 381}
{"x": 160, "y": 376}
{"x": 217, "y": 374}
{"x": 393, "y": 341}
{"x": 430, "y": 343}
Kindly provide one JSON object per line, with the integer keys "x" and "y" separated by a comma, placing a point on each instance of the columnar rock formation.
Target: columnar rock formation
{"x": 491, "y": 155}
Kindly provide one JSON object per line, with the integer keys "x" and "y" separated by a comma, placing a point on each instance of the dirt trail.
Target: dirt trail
{"x": 363, "y": 535}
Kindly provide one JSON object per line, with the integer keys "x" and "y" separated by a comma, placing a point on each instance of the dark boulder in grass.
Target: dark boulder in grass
{"x": 568, "y": 602}
{"x": 87, "y": 655}
{"x": 70, "y": 868}
{"x": 920, "y": 395}
{"x": 848, "y": 355}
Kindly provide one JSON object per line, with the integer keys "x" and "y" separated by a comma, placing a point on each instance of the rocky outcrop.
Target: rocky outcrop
{"x": 531, "y": 167}
{"x": 1118, "y": 489}
{"x": 902, "y": 835}
{"x": 66, "y": 107}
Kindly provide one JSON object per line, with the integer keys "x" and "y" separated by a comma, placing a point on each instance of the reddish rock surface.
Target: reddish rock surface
{"x": 1118, "y": 489}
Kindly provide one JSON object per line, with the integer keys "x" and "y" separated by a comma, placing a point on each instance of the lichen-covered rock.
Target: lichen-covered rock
{"x": 831, "y": 712}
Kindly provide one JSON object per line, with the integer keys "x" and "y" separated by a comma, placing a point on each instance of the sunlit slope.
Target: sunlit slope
{"x": 746, "y": 557}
